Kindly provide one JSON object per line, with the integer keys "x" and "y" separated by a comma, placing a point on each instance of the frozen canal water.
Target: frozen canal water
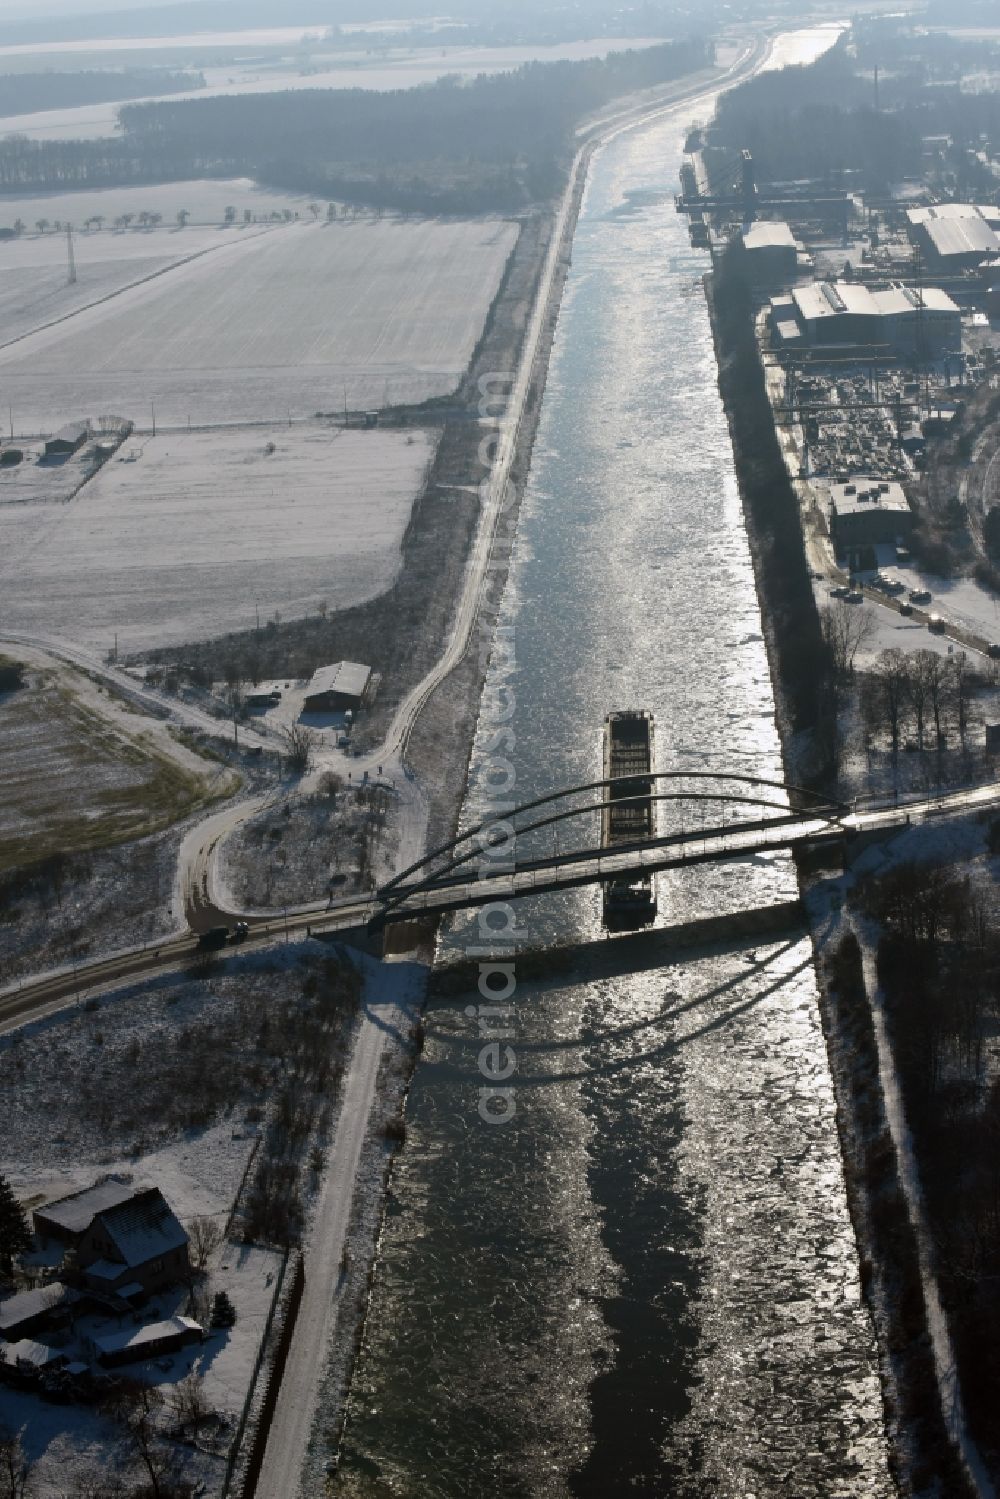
{"x": 647, "y": 1281}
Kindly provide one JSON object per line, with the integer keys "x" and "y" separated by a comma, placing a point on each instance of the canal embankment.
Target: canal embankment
{"x": 922, "y": 1452}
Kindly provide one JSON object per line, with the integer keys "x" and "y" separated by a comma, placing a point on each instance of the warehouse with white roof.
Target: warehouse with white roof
{"x": 900, "y": 319}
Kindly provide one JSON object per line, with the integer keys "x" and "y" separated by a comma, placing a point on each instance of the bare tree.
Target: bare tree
{"x": 136, "y": 1406}
{"x": 188, "y": 1401}
{"x": 205, "y": 1236}
{"x": 233, "y": 673}
{"x": 15, "y": 1470}
{"x": 936, "y": 671}
{"x": 960, "y": 674}
{"x": 892, "y": 675}
{"x": 301, "y": 742}
{"x": 921, "y": 668}
{"x": 846, "y": 628}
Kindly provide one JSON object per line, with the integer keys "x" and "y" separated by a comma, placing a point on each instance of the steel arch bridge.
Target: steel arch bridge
{"x": 482, "y": 854}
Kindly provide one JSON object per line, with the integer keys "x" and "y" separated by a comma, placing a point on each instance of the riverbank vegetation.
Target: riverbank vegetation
{"x": 890, "y": 1263}
{"x": 801, "y": 658}
{"x": 498, "y": 143}
{"x": 939, "y": 970}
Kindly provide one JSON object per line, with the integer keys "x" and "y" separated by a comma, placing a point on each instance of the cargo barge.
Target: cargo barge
{"x": 630, "y": 816}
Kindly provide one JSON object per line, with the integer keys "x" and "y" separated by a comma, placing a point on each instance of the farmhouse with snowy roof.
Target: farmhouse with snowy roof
{"x": 124, "y": 1238}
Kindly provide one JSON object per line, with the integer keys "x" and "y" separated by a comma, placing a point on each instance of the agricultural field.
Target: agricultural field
{"x": 34, "y": 287}
{"x": 293, "y": 320}
{"x": 191, "y": 534}
{"x": 71, "y": 779}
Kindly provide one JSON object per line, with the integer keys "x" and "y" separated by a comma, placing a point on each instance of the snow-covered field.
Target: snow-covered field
{"x": 203, "y": 529}
{"x": 293, "y": 319}
{"x": 35, "y": 291}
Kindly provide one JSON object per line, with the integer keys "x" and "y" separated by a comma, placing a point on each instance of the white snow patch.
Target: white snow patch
{"x": 290, "y": 320}
{"x": 200, "y": 528}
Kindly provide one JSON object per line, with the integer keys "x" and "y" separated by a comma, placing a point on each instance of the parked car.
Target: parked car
{"x": 839, "y": 593}
{"x": 936, "y": 624}
{"x": 920, "y": 595}
{"x": 906, "y": 608}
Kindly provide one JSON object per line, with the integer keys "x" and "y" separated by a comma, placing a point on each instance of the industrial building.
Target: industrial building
{"x": 900, "y": 318}
{"x": 952, "y": 236}
{"x": 868, "y": 512}
{"x": 770, "y": 253}
{"x": 337, "y": 688}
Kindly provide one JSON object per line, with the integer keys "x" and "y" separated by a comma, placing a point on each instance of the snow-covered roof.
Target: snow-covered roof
{"x": 76, "y": 1212}
{"x": 143, "y": 1229}
{"x": 826, "y": 299}
{"x": 72, "y": 432}
{"x": 151, "y": 1332}
{"x": 28, "y": 1304}
{"x": 29, "y": 1352}
{"x": 943, "y": 211}
{"x": 901, "y": 301}
{"x": 955, "y": 229}
{"x": 766, "y": 236}
{"x": 859, "y": 496}
{"x": 349, "y": 677}
{"x": 108, "y": 1270}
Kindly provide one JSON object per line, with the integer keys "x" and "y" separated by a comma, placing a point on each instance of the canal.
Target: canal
{"x": 646, "y": 1281}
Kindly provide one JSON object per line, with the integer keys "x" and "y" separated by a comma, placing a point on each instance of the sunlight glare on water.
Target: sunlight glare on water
{"x": 647, "y": 1282}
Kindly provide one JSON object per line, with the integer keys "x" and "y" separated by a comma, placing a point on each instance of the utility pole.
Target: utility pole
{"x": 72, "y": 259}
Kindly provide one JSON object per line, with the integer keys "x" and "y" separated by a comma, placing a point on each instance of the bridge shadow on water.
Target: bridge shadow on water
{"x": 642, "y": 952}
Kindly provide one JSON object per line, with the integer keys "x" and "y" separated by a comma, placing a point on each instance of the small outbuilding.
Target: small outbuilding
{"x": 67, "y": 440}
{"x": 150, "y": 1341}
{"x": 336, "y": 688}
{"x": 31, "y": 1312}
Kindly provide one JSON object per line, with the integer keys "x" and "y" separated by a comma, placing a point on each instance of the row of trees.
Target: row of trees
{"x": 918, "y": 690}
{"x": 939, "y": 970}
{"x": 22, "y": 93}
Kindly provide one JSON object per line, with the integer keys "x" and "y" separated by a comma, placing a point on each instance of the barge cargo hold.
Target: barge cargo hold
{"x": 630, "y": 816}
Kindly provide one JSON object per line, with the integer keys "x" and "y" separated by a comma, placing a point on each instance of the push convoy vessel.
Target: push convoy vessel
{"x": 630, "y": 816}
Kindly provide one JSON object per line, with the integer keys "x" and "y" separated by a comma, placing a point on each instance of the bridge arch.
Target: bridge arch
{"x": 474, "y": 841}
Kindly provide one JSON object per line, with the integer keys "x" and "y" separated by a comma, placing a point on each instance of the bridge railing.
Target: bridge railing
{"x": 480, "y": 841}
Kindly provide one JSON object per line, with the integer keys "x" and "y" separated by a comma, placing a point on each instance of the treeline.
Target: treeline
{"x": 804, "y": 669}
{"x": 821, "y": 121}
{"x": 21, "y": 93}
{"x": 939, "y": 968}
{"x": 497, "y": 142}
